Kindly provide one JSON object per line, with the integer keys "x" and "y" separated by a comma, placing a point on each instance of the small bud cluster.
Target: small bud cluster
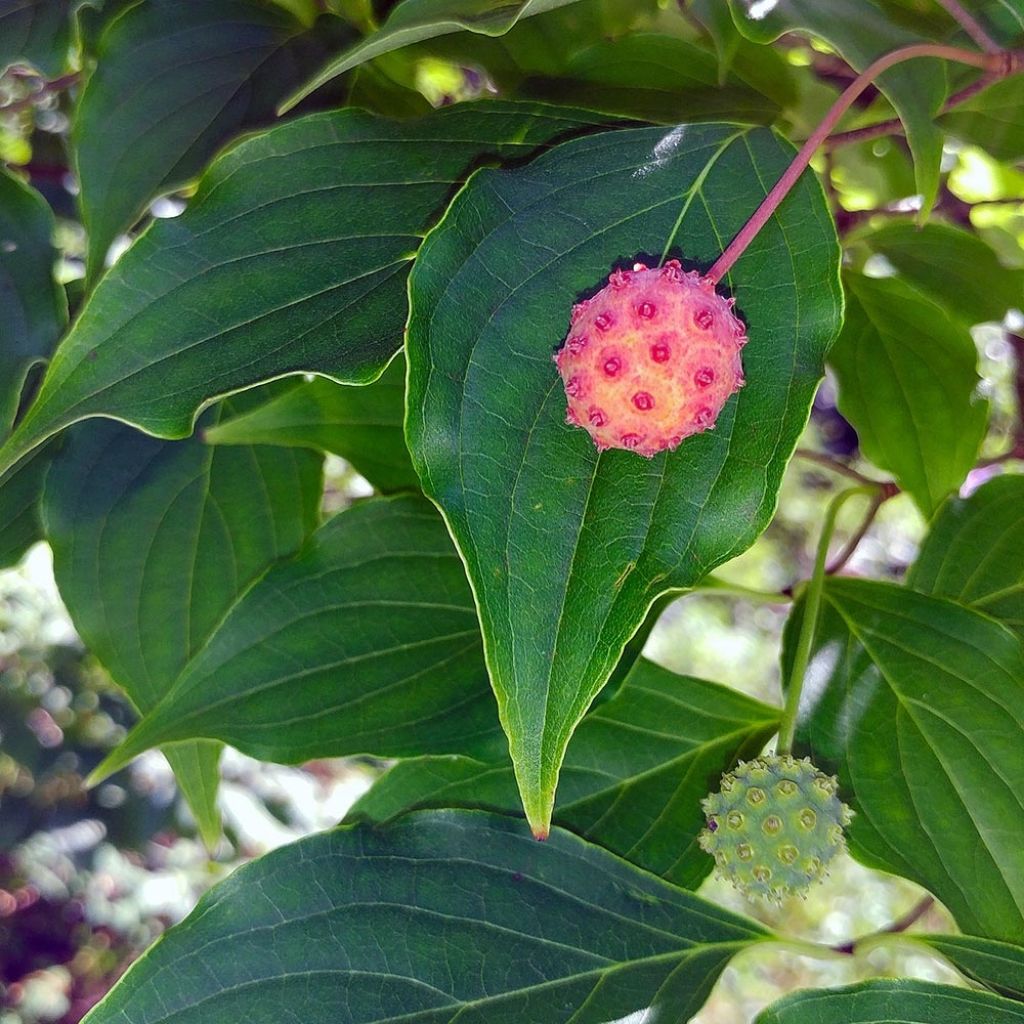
{"x": 651, "y": 359}
{"x": 774, "y": 826}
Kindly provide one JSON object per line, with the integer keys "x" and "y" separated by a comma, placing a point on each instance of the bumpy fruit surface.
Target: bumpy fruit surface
{"x": 651, "y": 359}
{"x": 774, "y": 826}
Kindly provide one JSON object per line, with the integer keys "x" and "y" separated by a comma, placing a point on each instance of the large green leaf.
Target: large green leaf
{"x": 662, "y": 78}
{"x": 974, "y": 552}
{"x": 292, "y": 257}
{"x": 634, "y": 774}
{"x": 413, "y": 21}
{"x": 361, "y": 424}
{"x": 918, "y": 704}
{"x": 365, "y": 643}
{"x": 173, "y": 81}
{"x": 893, "y": 1002}
{"x": 36, "y": 32}
{"x": 907, "y": 378}
{"x": 953, "y": 267}
{"x": 993, "y": 119}
{"x": 566, "y": 548}
{"x": 20, "y": 491}
{"x": 861, "y": 31}
{"x": 33, "y": 311}
{"x": 999, "y": 965}
{"x": 442, "y": 916}
{"x": 153, "y": 541}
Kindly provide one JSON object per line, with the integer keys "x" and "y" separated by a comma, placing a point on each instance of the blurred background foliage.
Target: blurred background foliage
{"x": 89, "y": 878}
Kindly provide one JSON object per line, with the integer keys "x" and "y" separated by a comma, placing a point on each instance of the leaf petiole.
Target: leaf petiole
{"x": 787, "y": 728}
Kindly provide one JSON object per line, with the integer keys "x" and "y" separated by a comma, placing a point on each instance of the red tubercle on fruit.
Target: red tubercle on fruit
{"x": 667, "y": 362}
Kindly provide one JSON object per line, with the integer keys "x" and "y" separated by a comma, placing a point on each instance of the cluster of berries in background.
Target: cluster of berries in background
{"x": 774, "y": 825}
{"x": 651, "y": 359}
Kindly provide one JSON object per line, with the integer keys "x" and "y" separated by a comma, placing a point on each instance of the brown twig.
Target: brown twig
{"x": 970, "y": 25}
{"x": 901, "y": 924}
{"x": 894, "y": 126}
{"x": 998, "y": 63}
{"x": 835, "y": 465}
{"x": 48, "y": 88}
{"x": 851, "y": 545}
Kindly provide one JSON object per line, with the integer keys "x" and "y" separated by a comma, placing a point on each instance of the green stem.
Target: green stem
{"x": 812, "y": 605}
{"x": 714, "y": 585}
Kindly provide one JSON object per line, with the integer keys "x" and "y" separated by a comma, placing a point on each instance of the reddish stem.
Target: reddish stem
{"x": 970, "y": 25}
{"x": 1000, "y": 64}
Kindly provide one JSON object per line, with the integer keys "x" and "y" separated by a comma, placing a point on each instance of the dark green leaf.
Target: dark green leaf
{"x": 634, "y": 774}
{"x": 999, "y": 965}
{"x": 413, "y": 21}
{"x": 657, "y": 78}
{"x": 918, "y": 704}
{"x": 993, "y": 119}
{"x": 153, "y": 542}
{"x": 953, "y": 267}
{"x": 361, "y": 424}
{"x": 442, "y": 916}
{"x": 974, "y": 552}
{"x": 567, "y": 549}
{"x": 717, "y": 20}
{"x": 173, "y": 81}
{"x": 861, "y": 31}
{"x": 292, "y": 257}
{"x": 907, "y": 378}
{"x": 32, "y": 307}
{"x": 36, "y": 32}
{"x": 365, "y": 643}
{"x": 893, "y": 1002}
{"x": 20, "y": 491}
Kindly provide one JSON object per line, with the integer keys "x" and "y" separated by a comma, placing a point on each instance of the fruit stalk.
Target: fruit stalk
{"x": 812, "y": 606}
{"x": 999, "y": 64}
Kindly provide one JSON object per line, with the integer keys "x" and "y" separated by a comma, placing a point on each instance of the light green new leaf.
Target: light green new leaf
{"x": 634, "y": 774}
{"x": 33, "y": 310}
{"x": 440, "y": 917}
{"x": 998, "y": 965}
{"x": 361, "y": 424}
{"x": 365, "y": 643}
{"x": 893, "y": 1002}
{"x": 35, "y": 32}
{"x": 917, "y": 703}
{"x": 993, "y": 119}
{"x": 413, "y": 21}
{"x": 153, "y": 541}
{"x": 951, "y": 266}
{"x": 566, "y": 548}
{"x": 861, "y": 31}
{"x": 974, "y": 552}
{"x": 907, "y": 377}
{"x": 292, "y": 257}
{"x": 173, "y": 81}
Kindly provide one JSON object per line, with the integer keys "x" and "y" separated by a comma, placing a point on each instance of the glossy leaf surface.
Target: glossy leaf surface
{"x": 292, "y": 257}
{"x": 174, "y": 80}
{"x": 974, "y": 552}
{"x": 917, "y": 703}
{"x": 442, "y": 916}
{"x": 907, "y": 379}
{"x": 365, "y": 643}
{"x": 893, "y": 1002}
{"x": 566, "y": 549}
{"x": 154, "y": 541}
{"x": 634, "y": 774}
